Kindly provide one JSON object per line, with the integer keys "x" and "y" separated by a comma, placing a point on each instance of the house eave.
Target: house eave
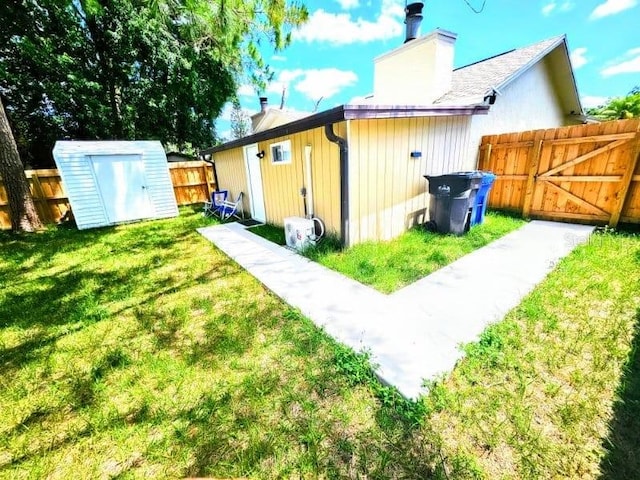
{"x": 351, "y": 112}
{"x": 530, "y": 63}
{"x": 355, "y": 112}
{"x": 561, "y": 42}
{"x": 573, "y": 77}
{"x": 319, "y": 119}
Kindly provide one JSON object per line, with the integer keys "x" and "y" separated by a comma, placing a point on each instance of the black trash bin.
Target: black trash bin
{"x": 452, "y": 199}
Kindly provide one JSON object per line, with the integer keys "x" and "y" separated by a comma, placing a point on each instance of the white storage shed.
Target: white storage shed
{"x": 110, "y": 182}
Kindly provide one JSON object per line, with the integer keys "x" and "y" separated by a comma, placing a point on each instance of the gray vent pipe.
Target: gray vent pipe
{"x": 413, "y": 20}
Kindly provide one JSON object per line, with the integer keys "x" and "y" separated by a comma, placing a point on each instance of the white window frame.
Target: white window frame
{"x": 285, "y": 145}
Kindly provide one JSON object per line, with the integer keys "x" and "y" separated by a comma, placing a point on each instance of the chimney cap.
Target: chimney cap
{"x": 264, "y": 101}
{"x": 414, "y": 8}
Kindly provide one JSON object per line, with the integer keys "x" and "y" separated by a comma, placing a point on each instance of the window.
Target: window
{"x": 281, "y": 152}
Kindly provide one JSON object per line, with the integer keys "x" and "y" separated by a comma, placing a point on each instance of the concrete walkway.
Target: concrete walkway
{"x": 414, "y": 333}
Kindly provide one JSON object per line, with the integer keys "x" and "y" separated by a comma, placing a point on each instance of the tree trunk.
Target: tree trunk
{"x": 22, "y": 211}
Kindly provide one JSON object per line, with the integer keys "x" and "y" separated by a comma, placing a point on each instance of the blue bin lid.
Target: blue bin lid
{"x": 488, "y": 178}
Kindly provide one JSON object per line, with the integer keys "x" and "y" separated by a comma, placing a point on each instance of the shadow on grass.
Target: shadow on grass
{"x": 57, "y": 442}
{"x": 623, "y": 442}
{"x": 230, "y": 430}
{"x": 98, "y": 282}
{"x": 77, "y": 299}
{"x": 15, "y": 357}
{"x": 38, "y": 248}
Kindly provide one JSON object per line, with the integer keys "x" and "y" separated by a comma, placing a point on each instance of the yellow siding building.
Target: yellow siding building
{"x": 362, "y": 166}
{"x": 372, "y": 191}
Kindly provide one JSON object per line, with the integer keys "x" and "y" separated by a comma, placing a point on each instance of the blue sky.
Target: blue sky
{"x": 331, "y": 57}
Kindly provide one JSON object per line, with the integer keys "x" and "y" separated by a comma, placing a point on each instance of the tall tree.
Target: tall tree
{"x": 131, "y": 69}
{"x": 22, "y": 211}
{"x": 240, "y": 123}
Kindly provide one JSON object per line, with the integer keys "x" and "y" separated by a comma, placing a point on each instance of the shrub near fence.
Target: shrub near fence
{"x": 584, "y": 173}
{"x": 192, "y": 183}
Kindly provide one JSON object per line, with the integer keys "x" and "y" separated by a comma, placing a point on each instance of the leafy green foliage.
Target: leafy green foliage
{"x": 123, "y": 69}
{"x": 619, "y": 108}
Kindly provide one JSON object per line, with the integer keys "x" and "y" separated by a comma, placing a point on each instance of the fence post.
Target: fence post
{"x": 486, "y": 158}
{"x": 41, "y": 198}
{"x": 534, "y": 162}
{"x": 207, "y": 187}
{"x": 625, "y": 183}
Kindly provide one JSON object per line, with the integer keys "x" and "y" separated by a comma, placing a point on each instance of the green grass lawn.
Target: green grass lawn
{"x": 143, "y": 351}
{"x": 553, "y": 391}
{"x": 273, "y": 233}
{"x": 389, "y": 266}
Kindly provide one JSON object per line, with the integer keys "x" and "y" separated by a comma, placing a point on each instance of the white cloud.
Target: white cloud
{"x": 288, "y": 76}
{"x": 348, "y": 4}
{"x": 552, "y": 6}
{"x": 246, "y": 91}
{"x": 225, "y": 115}
{"x": 284, "y": 81}
{"x": 578, "y": 58}
{"x": 361, "y": 100}
{"x": 342, "y": 29}
{"x": 591, "y": 101}
{"x": 566, "y": 6}
{"x": 314, "y": 83}
{"x": 279, "y": 58}
{"x": 325, "y": 82}
{"x": 629, "y": 63}
{"x": 548, "y": 8}
{"x": 611, "y": 7}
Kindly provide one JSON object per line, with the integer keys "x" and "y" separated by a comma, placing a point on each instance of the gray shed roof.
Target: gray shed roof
{"x": 474, "y": 81}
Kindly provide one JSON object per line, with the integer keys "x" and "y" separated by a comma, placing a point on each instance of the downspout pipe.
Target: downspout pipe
{"x": 344, "y": 181}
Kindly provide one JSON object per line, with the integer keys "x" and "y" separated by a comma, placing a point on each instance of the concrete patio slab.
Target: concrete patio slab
{"x": 413, "y": 334}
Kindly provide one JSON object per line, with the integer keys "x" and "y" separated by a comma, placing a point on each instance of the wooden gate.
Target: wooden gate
{"x": 584, "y": 173}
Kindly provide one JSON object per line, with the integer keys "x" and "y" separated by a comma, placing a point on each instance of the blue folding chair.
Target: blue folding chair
{"x": 213, "y": 207}
{"x": 231, "y": 209}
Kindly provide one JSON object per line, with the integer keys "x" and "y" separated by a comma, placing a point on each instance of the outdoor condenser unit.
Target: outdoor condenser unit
{"x": 300, "y": 233}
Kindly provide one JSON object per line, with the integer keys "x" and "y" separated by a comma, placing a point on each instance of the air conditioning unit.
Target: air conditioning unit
{"x": 300, "y": 233}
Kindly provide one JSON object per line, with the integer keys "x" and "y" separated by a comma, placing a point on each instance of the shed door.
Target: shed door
{"x": 256, "y": 193}
{"x": 123, "y": 187}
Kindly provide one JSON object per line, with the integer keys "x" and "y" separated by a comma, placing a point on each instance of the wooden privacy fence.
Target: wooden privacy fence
{"x": 583, "y": 173}
{"x": 192, "y": 183}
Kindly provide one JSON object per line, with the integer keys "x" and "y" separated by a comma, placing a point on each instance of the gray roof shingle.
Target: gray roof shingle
{"x": 471, "y": 83}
